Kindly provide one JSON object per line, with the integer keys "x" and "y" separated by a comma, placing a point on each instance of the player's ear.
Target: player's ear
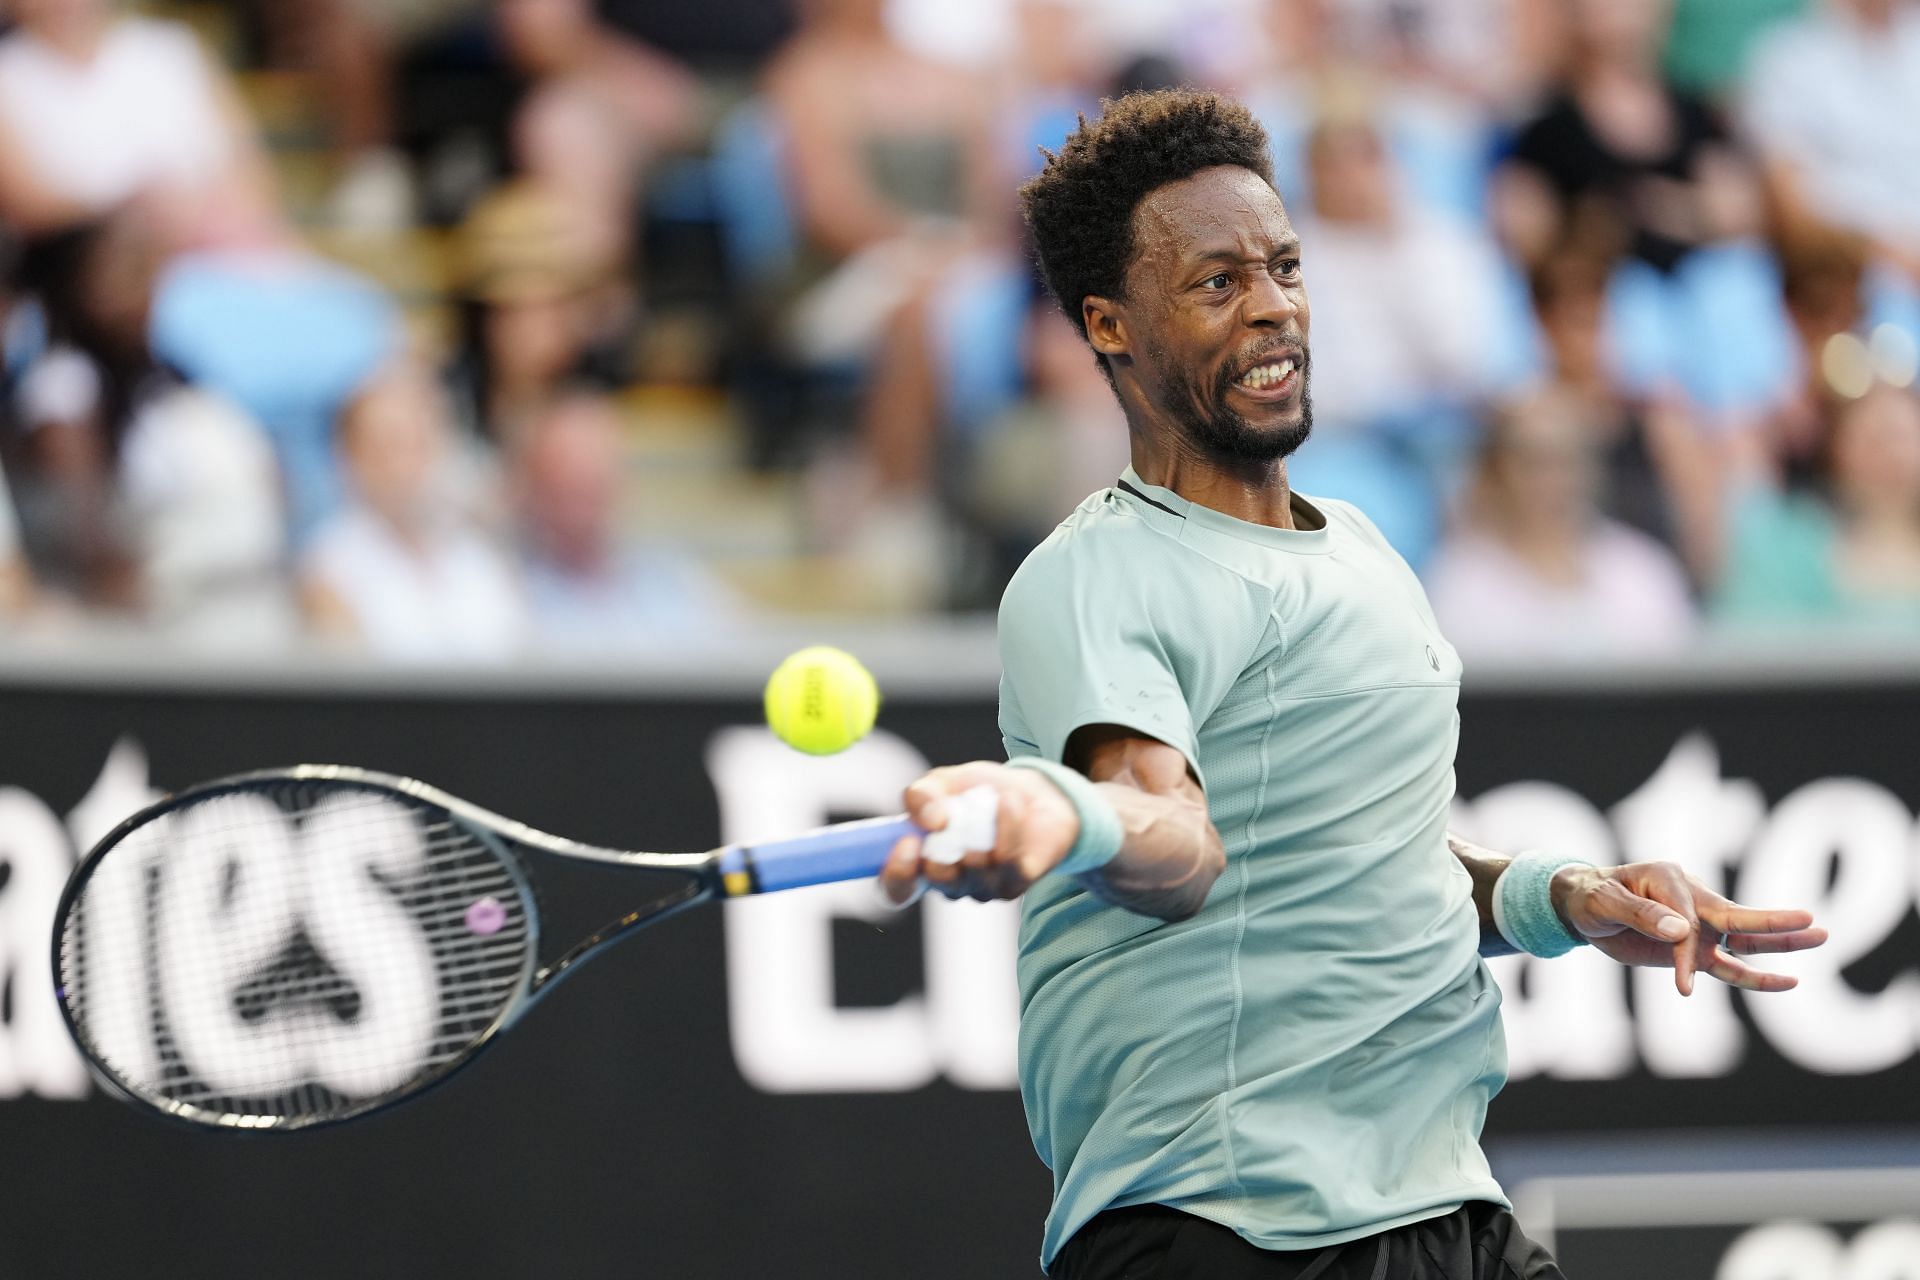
{"x": 1106, "y": 326}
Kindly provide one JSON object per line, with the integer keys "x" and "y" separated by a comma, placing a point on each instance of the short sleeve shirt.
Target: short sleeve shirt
{"x": 1309, "y": 1058}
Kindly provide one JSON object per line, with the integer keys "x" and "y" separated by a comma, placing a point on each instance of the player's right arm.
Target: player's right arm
{"x": 1169, "y": 856}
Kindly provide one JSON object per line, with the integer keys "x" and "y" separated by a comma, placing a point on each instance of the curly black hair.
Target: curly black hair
{"x": 1080, "y": 206}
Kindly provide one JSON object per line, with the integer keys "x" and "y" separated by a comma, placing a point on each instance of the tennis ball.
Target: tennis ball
{"x": 821, "y": 700}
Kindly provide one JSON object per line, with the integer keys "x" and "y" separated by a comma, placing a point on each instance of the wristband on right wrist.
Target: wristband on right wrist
{"x": 1523, "y": 905}
{"x": 1100, "y": 830}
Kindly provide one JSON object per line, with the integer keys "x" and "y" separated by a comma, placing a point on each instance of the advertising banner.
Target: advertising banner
{"x": 812, "y": 1085}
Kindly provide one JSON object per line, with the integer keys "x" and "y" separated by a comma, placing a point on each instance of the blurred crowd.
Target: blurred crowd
{"x": 1616, "y": 308}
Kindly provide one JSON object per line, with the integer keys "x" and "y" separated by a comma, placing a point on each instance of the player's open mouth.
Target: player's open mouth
{"x": 1272, "y": 381}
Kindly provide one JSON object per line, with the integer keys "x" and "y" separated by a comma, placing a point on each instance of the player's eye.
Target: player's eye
{"x": 1289, "y": 268}
{"x": 1218, "y": 280}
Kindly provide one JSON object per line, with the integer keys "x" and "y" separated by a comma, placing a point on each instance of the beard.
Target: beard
{"x": 1225, "y": 433}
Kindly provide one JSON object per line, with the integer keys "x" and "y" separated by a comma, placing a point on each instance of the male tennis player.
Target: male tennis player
{"x": 1257, "y": 1038}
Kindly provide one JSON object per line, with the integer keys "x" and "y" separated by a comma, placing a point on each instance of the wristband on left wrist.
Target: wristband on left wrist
{"x": 1523, "y": 909}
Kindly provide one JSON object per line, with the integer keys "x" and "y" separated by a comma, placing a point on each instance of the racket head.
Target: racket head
{"x": 290, "y": 948}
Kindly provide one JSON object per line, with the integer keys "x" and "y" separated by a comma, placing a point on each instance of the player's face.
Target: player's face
{"x": 1218, "y": 307}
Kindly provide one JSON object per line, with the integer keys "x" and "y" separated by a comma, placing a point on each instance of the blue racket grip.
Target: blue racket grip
{"x": 844, "y": 851}
{"x": 855, "y": 850}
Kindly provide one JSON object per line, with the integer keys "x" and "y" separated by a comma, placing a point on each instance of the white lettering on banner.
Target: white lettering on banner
{"x": 284, "y": 879}
{"x": 1568, "y": 1018}
{"x": 228, "y": 910}
{"x": 35, "y": 1054}
{"x": 1826, "y": 1024}
{"x": 353, "y": 919}
{"x": 1887, "y": 1250}
{"x": 788, "y": 1035}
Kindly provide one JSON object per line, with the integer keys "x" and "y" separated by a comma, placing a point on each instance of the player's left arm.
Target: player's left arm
{"x": 1652, "y": 914}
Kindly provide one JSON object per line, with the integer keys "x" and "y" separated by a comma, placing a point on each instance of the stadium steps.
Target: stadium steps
{"x": 689, "y": 489}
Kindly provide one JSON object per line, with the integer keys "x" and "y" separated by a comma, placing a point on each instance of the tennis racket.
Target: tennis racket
{"x": 291, "y": 948}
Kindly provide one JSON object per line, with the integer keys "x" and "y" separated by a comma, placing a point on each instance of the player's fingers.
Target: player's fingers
{"x": 1665, "y": 884}
{"x": 1612, "y": 902}
{"x": 1003, "y": 880}
{"x": 1731, "y": 917}
{"x": 1010, "y": 820}
{"x": 1745, "y": 976}
{"x": 900, "y": 874}
{"x": 1757, "y": 944}
{"x": 947, "y": 877}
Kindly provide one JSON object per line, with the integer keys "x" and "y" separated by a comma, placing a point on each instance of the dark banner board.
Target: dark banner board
{"x": 812, "y": 1086}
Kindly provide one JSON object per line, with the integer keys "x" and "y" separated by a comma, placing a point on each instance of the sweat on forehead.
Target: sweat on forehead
{"x": 1224, "y": 210}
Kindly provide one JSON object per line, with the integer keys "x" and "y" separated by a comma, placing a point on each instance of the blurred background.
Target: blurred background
{"x": 493, "y": 390}
{"x": 467, "y": 331}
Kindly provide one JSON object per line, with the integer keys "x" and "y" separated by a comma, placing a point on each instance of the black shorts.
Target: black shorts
{"x": 1477, "y": 1241}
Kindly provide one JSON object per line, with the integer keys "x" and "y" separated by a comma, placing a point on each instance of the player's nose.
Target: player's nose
{"x": 1267, "y": 304}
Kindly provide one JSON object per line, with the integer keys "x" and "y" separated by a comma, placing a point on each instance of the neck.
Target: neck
{"x": 1247, "y": 489}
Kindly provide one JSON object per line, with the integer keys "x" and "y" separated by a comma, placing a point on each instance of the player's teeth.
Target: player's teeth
{"x": 1267, "y": 375}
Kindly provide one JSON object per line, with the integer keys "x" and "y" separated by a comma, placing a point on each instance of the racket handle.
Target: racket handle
{"x": 855, "y": 850}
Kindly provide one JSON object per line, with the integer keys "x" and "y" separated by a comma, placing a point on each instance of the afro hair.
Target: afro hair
{"x": 1080, "y": 206}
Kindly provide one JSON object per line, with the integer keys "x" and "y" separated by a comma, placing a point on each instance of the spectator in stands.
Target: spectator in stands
{"x": 353, "y": 49}
{"x": 591, "y": 589}
{"x": 1408, "y": 297}
{"x": 400, "y": 570}
{"x": 1404, "y": 303}
{"x": 1847, "y": 552}
{"x": 1065, "y": 438}
{"x": 1830, "y": 101}
{"x": 890, "y": 163}
{"x": 907, "y": 270}
{"x": 536, "y": 309}
{"x": 1435, "y": 115}
{"x": 167, "y": 496}
{"x": 97, "y": 107}
{"x": 1617, "y": 143}
{"x": 600, "y": 108}
{"x": 1534, "y": 570}
{"x": 1618, "y": 149}
{"x": 1658, "y": 473}
{"x": 285, "y": 334}
{"x": 1493, "y": 52}
{"x": 63, "y": 464}
{"x": 1823, "y": 273}
{"x": 16, "y": 580}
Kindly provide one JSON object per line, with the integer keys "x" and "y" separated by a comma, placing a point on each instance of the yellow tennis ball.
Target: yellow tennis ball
{"x": 821, "y": 700}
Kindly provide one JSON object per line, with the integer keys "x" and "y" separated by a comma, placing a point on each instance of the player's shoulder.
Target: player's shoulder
{"x": 1105, "y": 535}
{"x": 1109, "y": 551}
{"x": 1349, "y": 519}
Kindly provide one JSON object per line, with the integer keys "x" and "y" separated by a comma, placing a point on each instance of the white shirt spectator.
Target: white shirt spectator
{"x": 202, "y": 494}
{"x": 647, "y": 595}
{"x": 1400, "y": 316}
{"x": 1631, "y": 599}
{"x": 1837, "y": 99}
{"x": 451, "y": 599}
{"x": 145, "y": 110}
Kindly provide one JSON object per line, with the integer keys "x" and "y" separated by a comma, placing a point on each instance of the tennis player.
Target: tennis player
{"x": 1257, "y": 1036}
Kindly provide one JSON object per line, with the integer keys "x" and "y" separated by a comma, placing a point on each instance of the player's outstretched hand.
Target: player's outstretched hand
{"x": 1655, "y": 914}
{"x": 1034, "y": 828}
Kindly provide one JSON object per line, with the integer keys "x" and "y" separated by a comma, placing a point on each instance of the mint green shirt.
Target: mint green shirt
{"x": 1309, "y": 1059}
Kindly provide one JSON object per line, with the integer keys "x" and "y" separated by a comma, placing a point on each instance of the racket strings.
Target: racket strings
{"x": 289, "y": 956}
